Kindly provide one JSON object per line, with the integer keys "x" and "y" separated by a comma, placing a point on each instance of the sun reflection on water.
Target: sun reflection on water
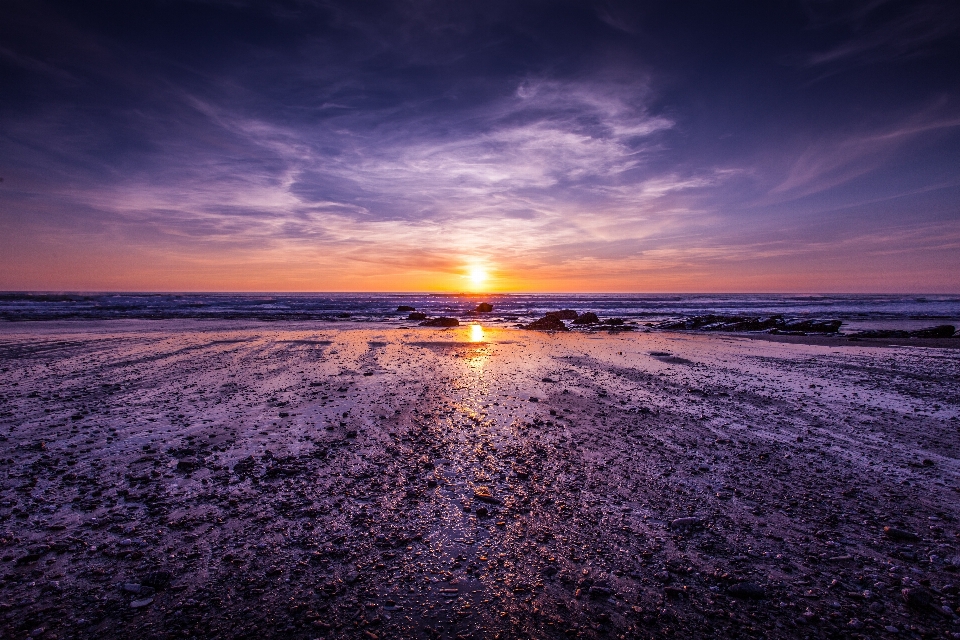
{"x": 476, "y": 333}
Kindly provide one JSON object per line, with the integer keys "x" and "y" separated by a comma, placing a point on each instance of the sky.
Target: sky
{"x": 307, "y": 145}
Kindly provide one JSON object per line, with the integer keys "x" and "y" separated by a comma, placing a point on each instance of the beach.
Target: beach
{"x": 227, "y": 479}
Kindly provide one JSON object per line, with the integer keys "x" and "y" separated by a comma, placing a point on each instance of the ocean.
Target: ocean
{"x": 857, "y": 312}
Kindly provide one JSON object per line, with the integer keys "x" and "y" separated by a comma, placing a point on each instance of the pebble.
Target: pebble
{"x": 139, "y": 604}
{"x": 899, "y": 534}
{"x": 749, "y": 590}
{"x": 916, "y": 598}
{"x": 685, "y": 523}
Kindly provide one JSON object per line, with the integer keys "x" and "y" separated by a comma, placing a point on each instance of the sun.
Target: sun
{"x": 477, "y": 276}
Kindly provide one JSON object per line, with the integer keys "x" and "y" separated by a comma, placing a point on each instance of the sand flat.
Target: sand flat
{"x": 298, "y": 480}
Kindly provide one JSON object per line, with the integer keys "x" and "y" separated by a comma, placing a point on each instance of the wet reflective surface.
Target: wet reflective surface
{"x": 291, "y": 481}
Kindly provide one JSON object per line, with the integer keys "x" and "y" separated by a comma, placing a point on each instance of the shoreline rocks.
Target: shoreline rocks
{"x": 441, "y": 322}
{"x": 940, "y": 331}
{"x": 547, "y": 323}
{"x": 773, "y": 324}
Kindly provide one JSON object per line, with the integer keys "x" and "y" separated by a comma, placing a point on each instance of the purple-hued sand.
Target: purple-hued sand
{"x": 178, "y": 479}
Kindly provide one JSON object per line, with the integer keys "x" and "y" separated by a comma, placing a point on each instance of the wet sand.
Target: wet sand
{"x": 174, "y": 479}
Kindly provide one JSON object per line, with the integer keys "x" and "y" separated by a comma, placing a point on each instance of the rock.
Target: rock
{"x": 483, "y": 494}
{"x": 816, "y": 326}
{"x": 547, "y": 323}
{"x": 441, "y": 322}
{"x": 157, "y": 579}
{"x": 139, "y": 604}
{"x": 599, "y": 591}
{"x": 774, "y": 324}
{"x": 404, "y": 307}
{"x": 565, "y": 314}
{"x": 900, "y": 534}
{"x": 748, "y": 590}
{"x": 685, "y": 523}
{"x": 941, "y": 331}
{"x": 587, "y": 318}
{"x": 417, "y": 316}
{"x": 187, "y": 464}
{"x": 917, "y": 598}
{"x": 482, "y": 512}
{"x": 484, "y": 307}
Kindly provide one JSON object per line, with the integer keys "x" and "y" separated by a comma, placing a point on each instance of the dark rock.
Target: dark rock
{"x": 187, "y": 464}
{"x": 748, "y": 590}
{"x": 565, "y": 314}
{"x": 245, "y": 467}
{"x": 598, "y": 591}
{"x": 774, "y": 324}
{"x": 941, "y": 331}
{"x": 686, "y": 523}
{"x": 900, "y": 534}
{"x": 417, "y": 316}
{"x": 547, "y": 323}
{"x": 157, "y": 579}
{"x": 816, "y": 326}
{"x": 484, "y": 307}
{"x": 587, "y": 318}
{"x": 404, "y": 307}
{"x": 916, "y": 598}
{"x": 441, "y": 322}
{"x": 28, "y": 558}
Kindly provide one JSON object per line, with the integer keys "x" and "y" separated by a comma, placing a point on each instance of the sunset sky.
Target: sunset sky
{"x": 806, "y": 146}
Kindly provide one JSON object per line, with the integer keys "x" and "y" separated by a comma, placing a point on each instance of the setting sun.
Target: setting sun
{"x": 478, "y": 276}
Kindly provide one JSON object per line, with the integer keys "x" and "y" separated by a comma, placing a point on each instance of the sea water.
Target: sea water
{"x": 858, "y": 312}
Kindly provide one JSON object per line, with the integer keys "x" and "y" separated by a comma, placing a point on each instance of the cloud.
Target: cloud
{"x": 885, "y": 30}
{"x": 828, "y": 163}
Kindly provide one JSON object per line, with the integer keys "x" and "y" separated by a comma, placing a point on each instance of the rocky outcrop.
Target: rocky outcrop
{"x": 484, "y": 307}
{"x": 941, "y": 331}
{"x": 587, "y": 318}
{"x": 404, "y": 307}
{"x": 441, "y": 322}
{"x": 416, "y": 315}
{"x": 565, "y": 314}
{"x": 773, "y": 324}
{"x": 547, "y": 323}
